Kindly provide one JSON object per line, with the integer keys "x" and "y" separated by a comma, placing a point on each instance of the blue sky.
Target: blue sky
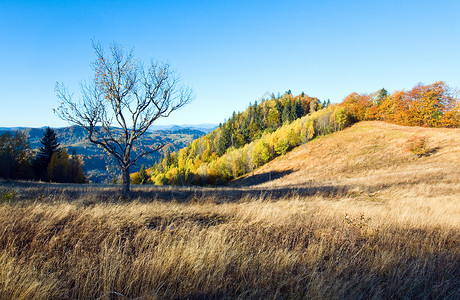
{"x": 231, "y": 53}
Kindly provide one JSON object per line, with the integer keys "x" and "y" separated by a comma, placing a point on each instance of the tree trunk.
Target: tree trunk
{"x": 126, "y": 182}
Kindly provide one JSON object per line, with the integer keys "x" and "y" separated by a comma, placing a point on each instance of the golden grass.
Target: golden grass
{"x": 367, "y": 148}
{"x": 368, "y": 223}
{"x": 289, "y": 248}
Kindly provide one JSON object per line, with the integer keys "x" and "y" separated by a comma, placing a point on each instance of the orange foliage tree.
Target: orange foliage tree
{"x": 429, "y": 104}
{"x": 433, "y": 105}
{"x": 358, "y": 105}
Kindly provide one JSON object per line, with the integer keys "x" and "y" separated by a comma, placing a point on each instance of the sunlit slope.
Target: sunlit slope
{"x": 369, "y": 156}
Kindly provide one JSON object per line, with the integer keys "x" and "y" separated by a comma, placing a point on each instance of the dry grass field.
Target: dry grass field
{"x": 351, "y": 215}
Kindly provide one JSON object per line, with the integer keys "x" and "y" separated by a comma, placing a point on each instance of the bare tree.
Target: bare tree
{"x": 123, "y": 94}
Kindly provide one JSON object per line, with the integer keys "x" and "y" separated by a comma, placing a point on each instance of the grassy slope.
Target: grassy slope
{"x": 64, "y": 246}
{"x": 371, "y": 156}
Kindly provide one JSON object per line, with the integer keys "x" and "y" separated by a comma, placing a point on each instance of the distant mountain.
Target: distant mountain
{"x": 11, "y": 128}
{"x": 98, "y": 165}
{"x": 205, "y": 127}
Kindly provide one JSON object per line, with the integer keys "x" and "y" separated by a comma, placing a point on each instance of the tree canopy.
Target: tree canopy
{"x": 15, "y": 156}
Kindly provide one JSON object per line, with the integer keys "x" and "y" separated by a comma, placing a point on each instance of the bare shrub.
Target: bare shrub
{"x": 417, "y": 145}
{"x": 8, "y": 195}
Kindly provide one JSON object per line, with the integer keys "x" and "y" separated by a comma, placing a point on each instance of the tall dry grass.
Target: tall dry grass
{"x": 298, "y": 247}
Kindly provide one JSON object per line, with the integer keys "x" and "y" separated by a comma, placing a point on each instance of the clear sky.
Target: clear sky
{"x": 230, "y": 52}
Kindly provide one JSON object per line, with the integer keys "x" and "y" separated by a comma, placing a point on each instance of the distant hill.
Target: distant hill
{"x": 98, "y": 165}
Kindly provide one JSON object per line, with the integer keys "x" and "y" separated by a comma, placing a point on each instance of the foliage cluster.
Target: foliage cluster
{"x": 191, "y": 166}
{"x": 8, "y": 195}
{"x": 15, "y": 156}
{"x": 433, "y": 105}
{"x": 417, "y": 145}
{"x": 51, "y": 163}
{"x": 65, "y": 168}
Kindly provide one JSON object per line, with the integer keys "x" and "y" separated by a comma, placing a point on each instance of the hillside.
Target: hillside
{"x": 255, "y": 137}
{"x": 370, "y": 160}
{"x": 221, "y": 155}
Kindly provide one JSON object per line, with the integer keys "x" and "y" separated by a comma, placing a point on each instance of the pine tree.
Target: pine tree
{"x": 225, "y": 140}
{"x": 295, "y": 111}
{"x": 279, "y": 106}
{"x": 381, "y": 94}
{"x": 43, "y": 157}
{"x": 143, "y": 175}
{"x": 299, "y": 108}
{"x": 258, "y": 116}
{"x": 285, "y": 116}
{"x": 167, "y": 160}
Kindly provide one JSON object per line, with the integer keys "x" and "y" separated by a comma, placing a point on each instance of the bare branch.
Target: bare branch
{"x": 144, "y": 153}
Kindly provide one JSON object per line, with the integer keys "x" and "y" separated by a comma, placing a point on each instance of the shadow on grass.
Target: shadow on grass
{"x": 258, "y": 178}
{"x": 432, "y": 151}
{"x": 87, "y": 194}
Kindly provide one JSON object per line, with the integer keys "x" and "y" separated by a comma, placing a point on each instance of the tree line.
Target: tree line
{"x": 256, "y": 136}
{"x": 50, "y": 163}
{"x": 433, "y": 105}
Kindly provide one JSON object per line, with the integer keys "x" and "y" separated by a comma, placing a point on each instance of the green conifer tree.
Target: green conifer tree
{"x": 285, "y": 116}
{"x": 143, "y": 175}
{"x": 50, "y": 146}
{"x": 381, "y": 94}
{"x": 225, "y": 140}
{"x": 294, "y": 112}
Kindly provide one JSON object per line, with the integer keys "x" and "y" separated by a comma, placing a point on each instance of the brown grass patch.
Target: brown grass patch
{"x": 298, "y": 247}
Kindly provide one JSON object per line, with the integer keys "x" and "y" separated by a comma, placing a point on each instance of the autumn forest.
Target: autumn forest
{"x": 266, "y": 130}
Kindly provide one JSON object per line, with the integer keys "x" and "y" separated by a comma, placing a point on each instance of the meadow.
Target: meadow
{"x": 371, "y": 223}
